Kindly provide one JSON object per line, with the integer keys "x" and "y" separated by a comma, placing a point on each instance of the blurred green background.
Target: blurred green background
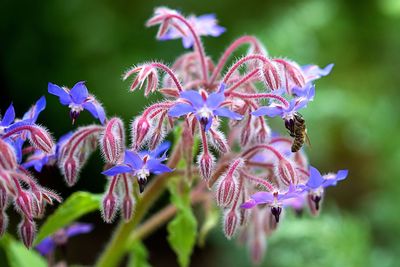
{"x": 353, "y": 122}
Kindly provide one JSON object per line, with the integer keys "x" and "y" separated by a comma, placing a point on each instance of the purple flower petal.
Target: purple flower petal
{"x": 341, "y": 175}
{"x": 180, "y": 109}
{"x": 224, "y": 112}
{"x": 133, "y": 159}
{"x": 79, "y": 92}
{"x": 117, "y": 170}
{"x": 63, "y": 95}
{"x": 214, "y": 100}
{"x": 8, "y": 117}
{"x": 79, "y": 228}
{"x": 248, "y": 204}
{"x": 46, "y": 246}
{"x": 269, "y": 111}
{"x": 154, "y": 166}
{"x": 96, "y": 110}
{"x": 313, "y": 72}
{"x": 193, "y": 97}
{"x": 262, "y": 197}
{"x": 315, "y": 179}
{"x": 33, "y": 113}
{"x": 160, "y": 150}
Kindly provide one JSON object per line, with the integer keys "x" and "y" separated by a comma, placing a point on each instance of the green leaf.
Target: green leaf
{"x": 19, "y": 256}
{"x": 182, "y": 230}
{"x": 78, "y": 204}
{"x": 139, "y": 255}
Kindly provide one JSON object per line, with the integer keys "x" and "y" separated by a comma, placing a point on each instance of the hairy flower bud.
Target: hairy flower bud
{"x": 227, "y": 186}
{"x": 3, "y": 196}
{"x": 286, "y": 173}
{"x": 257, "y": 247}
{"x": 140, "y": 131}
{"x": 70, "y": 168}
{"x": 27, "y": 231}
{"x": 292, "y": 73}
{"x": 231, "y": 222}
{"x": 41, "y": 139}
{"x": 144, "y": 72}
{"x": 23, "y": 203}
{"x": 3, "y": 222}
{"x": 271, "y": 76}
{"x": 112, "y": 141}
{"x": 8, "y": 160}
{"x": 218, "y": 141}
{"x": 127, "y": 207}
{"x": 109, "y": 207}
{"x": 206, "y": 165}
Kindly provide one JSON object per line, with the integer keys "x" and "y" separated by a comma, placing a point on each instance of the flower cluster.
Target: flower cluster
{"x": 255, "y": 174}
{"x": 17, "y": 184}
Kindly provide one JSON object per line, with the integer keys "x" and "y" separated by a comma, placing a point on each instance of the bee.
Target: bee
{"x": 298, "y": 130}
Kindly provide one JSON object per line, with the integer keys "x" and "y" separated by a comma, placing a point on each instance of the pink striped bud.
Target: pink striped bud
{"x": 70, "y": 168}
{"x": 292, "y": 73}
{"x": 3, "y": 196}
{"x": 144, "y": 72}
{"x": 171, "y": 92}
{"x": 27, "y": 231}
{"x": 271, "y": 76}
{"x": 286, "y": 173}
{"x": 246, "y": 132}
{"x": 206, "y": 165}
{"x": 140, "y": 131}
{"x": 231, "y": 222}
{"x": 41, "y": 139}
{"x": 112, "y": 141}
{"x": 314, "y": 200}
{"x": 8, "y": 160}
{"x": 218, "y": 141}
{"x": 156, "y": 138}
{"x": 227, "y": 187}
{"x": 110, "y": 207}
{"x": 263, "y": 135}
{"x": 3, "y": 223}
{"x": 23, "y": 203}
{"x": 257, "y": 247}
{"x": 127, "y": 207}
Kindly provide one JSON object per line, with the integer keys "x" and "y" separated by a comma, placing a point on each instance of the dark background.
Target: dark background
{"x": 353, "y": 122}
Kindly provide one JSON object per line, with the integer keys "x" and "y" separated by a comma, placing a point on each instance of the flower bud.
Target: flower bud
{"x": 127, "y": 207}
{"x": 70, "y": 168}
{"x": 27, "y": 231}
{"x": 8, "y": 160}
{"x": 140, "y": 131}
{"x": 271, "y": 76}
{"x": 227, "y": 188}
{"x": 257, "y": 247}
{"x": 112, "y": 140}
{"x": 3, "y": 222}
{"x": 218, "y": 141}
{"x": 286, "y": 173}
{"x": 41, "y": 139}
{"x": 3, "y": 196}
{"x": 206, "y": 165}
{"x": 231, "y": 222}
{"x": 109, "y": 208}
{"x": 23, "y": 203}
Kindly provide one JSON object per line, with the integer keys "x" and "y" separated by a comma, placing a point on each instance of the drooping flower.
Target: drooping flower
{"x": 313, "y": 72}
{"x": 78, "y": 99}
{"x": 277, "y": 109}
{"x": 49, "y": 244}
{"x": 205, "y": 107}
{"x": 204, "y": 25}
{"x": 142, "y": 164}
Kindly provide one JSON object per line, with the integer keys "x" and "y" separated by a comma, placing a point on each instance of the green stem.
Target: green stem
{"x": 118, "y": 245}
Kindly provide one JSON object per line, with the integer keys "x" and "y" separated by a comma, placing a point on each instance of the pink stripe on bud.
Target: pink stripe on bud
{"x": 286, "y": 173}
{"x": 271, "y": 76}
{"x": 3, "y": 222}
{"x": 218, "y": 140}
{"x": 8, "y": 160}
{"x": 70, "y": 168}
{"x": 113, "y": 140}
{"x": 3, "y": 196}
{"x": 140, "y": 131}
{"x": 231, "y": 222}
{"x": 41, "y": 139}
{"x": 127, "y": 207}
{"x": 227, "y": 187}
{"x": 109, "y": 207}
{"x": 206, "y": 165}
{"x": 246, "y": 132}
{"x": 23, "y": 203}
{"x": 27, "y": 231}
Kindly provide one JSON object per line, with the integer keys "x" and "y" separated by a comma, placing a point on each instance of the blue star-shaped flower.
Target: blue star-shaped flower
{"x": 204, "y": 107}
{"x": 317, "y": 181}
{"x": 78, "y": 99}
{"x": 142, "y": 164}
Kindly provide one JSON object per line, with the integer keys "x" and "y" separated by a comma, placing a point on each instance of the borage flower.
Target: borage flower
{"x": 205, "y": 107}
{"x": 78, "y": 99}
{"x": 48, "y": 245}
{"x": 286, "y": 112}
{"x": 142, "y": 164}
{"x": 204, "y": 25}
